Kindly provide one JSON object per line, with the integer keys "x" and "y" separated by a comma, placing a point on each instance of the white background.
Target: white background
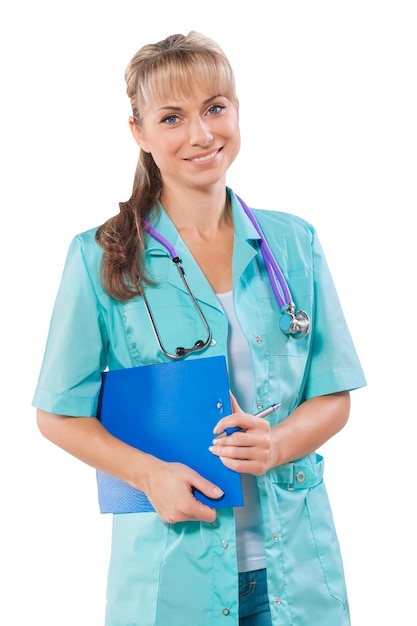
{"x": 328, "y": 119}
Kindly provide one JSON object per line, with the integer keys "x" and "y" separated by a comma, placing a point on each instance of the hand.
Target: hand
{"x": 247, "y": 451}
{"x": 169, "y": 488}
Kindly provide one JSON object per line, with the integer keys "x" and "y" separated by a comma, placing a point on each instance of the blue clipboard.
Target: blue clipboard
{"x": 168, "y": 410}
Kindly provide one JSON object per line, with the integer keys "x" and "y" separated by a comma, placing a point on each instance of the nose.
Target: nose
{"x": 200, "y": 133}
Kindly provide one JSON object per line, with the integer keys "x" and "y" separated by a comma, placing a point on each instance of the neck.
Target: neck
{"x": 205, "y": 210}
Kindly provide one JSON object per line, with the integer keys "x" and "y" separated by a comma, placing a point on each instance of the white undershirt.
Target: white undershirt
{"x": 249, "y": 523}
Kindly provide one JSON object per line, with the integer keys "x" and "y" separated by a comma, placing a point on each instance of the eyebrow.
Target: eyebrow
{"x": 171, "y": 107}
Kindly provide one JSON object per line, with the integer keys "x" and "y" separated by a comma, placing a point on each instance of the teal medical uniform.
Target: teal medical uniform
{"x": 185, "y": 574}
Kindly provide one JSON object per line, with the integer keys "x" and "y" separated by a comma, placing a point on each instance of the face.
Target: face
{"x": 193, "y": 140}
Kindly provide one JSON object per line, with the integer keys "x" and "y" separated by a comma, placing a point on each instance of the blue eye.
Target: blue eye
{"x": 170, "y": 119}
{"x": 216, "y": 108}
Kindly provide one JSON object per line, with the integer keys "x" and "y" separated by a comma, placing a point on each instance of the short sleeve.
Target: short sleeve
{"x": 334, "y": 364}
{"x": 70, "y": 376}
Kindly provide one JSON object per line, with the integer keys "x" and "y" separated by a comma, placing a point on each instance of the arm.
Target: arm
{"x": 167, "y": 485}
{"x": 75, "y": 355}
{"x": 261, "y": 447}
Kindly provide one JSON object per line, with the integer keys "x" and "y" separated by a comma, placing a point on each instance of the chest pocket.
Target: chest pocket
{"x": 280, "y": 344}
{"x": 282, "y": 358}
{"x": 176, "y": 320}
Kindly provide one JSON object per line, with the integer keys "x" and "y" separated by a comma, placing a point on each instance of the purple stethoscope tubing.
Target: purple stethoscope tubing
{"x": 154, "y": 233}
{"x": 285, "y": 299}
{"x": 295, "y": 323}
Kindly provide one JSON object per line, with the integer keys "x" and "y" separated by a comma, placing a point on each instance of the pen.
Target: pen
{"x": 268, "y": 410}
{"x": 263, "y": 413}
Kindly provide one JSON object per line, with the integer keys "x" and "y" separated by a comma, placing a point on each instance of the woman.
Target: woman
{"x": 275, "y": 560}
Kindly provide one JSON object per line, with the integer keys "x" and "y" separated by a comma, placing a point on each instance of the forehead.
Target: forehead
{"x": 178, "y": 82}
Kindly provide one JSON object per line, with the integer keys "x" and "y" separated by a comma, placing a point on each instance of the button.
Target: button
{"x": 225, "y": 544}
{"x": 277, "y": 600}
{"x": 226, "y": 611}
{"x": 275, "y": 536}
{"x": 213, "y": 342}
{"x": 259, "y": 405}
{"x": 300, "y": 477}
{"x": 258, "y": 339}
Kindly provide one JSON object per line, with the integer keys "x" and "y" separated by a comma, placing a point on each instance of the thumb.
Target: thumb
{"x": 206, "y": 487}
{"x": 235, "y": 405}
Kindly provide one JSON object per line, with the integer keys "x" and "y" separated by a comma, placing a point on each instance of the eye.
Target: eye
{"x": 215, "y": 109}
{"x": 170, "y": 119}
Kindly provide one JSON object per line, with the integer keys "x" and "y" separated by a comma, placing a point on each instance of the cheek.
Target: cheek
{"x": 160, "y": 154}
{"x": 233, "y": 130}
{"x": 237, "y": 139}
{"x": 234, "y": 133}
{"x": 164, "y": 145}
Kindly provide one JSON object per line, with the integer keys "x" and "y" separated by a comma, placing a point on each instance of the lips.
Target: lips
{"x": 205, "y": 157}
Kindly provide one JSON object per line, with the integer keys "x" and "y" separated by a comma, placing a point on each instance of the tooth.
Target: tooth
{"x": 209, "y": 156}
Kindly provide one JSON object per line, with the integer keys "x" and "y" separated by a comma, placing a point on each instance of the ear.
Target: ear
{"x": 137, "y": 134}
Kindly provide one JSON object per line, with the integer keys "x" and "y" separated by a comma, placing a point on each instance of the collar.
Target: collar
{"x": 244, "y": 250}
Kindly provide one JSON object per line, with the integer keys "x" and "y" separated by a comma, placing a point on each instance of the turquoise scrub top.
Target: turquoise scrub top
{"x": 185, "y": 574}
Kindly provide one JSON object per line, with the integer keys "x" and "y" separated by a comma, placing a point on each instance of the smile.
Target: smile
{"x": 207, "y": 157}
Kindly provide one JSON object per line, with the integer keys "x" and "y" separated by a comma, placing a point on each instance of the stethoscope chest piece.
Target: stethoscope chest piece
{"x": 294, "y": 323}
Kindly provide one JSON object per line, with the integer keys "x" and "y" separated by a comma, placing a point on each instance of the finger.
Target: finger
{"x": 233, "y": 451}
{"x": 234, "y": 420}
{"x": 235, "y": 405}
{"x": 206, "y": 487}
{"x": 242, "y": 466}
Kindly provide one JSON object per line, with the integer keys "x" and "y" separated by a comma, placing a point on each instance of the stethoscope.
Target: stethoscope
{"x": 292, "y": 322}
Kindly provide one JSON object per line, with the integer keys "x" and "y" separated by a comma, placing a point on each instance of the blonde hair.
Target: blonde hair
{"x": 172, "y": 67}
{"x": 157, "y": 72}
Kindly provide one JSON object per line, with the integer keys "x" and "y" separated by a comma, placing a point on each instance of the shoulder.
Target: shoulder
{"x": 272, "y": 222}
{"x": 85, "y": 244}
{"x": 87, "y": 238}
{"x": 289, "y": 235}
{"x": 280, "y": 221}
{"x": 84, "y": 259}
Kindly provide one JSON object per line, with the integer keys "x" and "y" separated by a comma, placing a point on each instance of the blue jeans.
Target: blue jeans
{"x": 253, "y": 599}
